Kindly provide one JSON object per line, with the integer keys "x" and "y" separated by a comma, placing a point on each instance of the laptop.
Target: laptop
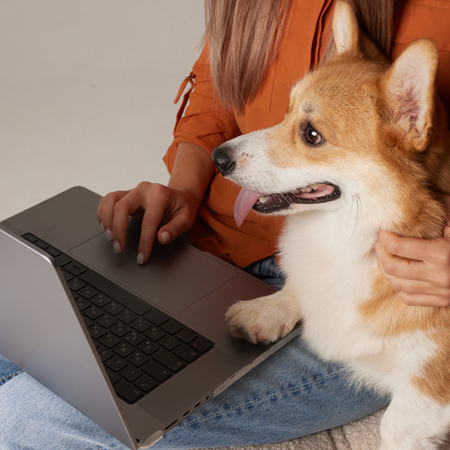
{"x": 135, "y": 348}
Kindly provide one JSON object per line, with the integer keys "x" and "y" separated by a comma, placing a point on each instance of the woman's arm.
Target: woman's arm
{"x": 418, "y": 269}
{"x": 174, "y": 205}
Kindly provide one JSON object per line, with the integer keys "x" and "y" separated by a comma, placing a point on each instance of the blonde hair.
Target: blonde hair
{"x": 244, "y": 36}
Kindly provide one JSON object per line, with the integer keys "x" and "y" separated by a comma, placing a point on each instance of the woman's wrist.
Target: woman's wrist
{"x": 192, "y": 172}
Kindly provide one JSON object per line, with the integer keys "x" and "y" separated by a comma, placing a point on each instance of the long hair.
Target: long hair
{"x": 244, "y": 36}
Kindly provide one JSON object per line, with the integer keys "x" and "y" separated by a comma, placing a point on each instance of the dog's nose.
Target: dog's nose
{"x": 222, "y": 160}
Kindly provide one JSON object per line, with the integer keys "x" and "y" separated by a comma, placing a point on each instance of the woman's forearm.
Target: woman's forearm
{"x": 192, "y": 171}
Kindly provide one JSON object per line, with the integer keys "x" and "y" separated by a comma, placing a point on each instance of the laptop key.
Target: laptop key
{"x": 172, "y": 326}
{"x": 186, "y": 353}
{"x": 127, "y": 391}
{"x": 96, "y": 331}
{"x": 138, "y": 359}
{"x": 127, "y": 316}
{"x": 156, "y": 317}
{"x": 169, "y": 342}
{"x": 105, "y": 353}
{"x": 148, "y": 347}
{"x": 186, "y": 335}
{"x": 109, "y": 340}
{"x": 146, "y": 383}
{"x": 113, "y": 308}
{"x": 62, "y": 260}
{"x": 93, "y": 312}
{"x": 67, "y": 276}
{"x": 123, "y": 349}
{"x": 75, "y": 284}
{"x": 140, "y": 324}
{"x": 41, "y": 244}
{"x": 107, "y": 320}
{"x": 75, "y": 268}
{"x": 87, "y": 292}
{"x": 88, "y": 322}
{"x": 169, "y": 360}
{"x": 52, "y": 251}
{"x": 116, "y": 363}
{"x": 82, "y": 303}
{"x": 155, "y": 334}
{"x": 134, "y": 338}
{"x": 201, "y": 344}
{"x": 120, "y": 329}
{"x": 114, "y": 377}
{"x": 130, "y": 373}
{"x": 30, "y": 237}
{"x": 156, "y": 370}
{"x": 101, "y": 300}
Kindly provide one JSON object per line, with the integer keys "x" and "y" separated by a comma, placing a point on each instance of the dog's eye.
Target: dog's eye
{"x": 312, "y": 136}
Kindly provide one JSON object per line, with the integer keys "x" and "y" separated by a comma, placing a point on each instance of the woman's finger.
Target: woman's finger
{"x": 427, "y": 250}
{"x": 395, "y": 266}
{"x": 424, "y": 300}
{"x": 157, "y": 203}
{"x": 105, "y": 211}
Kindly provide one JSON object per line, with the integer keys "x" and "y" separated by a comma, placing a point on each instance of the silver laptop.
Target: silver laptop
{"x": 134, "y": 348}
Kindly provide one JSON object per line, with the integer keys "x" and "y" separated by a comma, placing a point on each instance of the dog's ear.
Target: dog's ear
{"x": 410, "y": 86}
{"x": 345, "y": 29}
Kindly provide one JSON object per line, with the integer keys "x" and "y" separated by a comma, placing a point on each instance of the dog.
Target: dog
{"x": 363, "y": 147}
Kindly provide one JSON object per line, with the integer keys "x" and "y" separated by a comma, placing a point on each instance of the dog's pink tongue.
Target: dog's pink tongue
{"x": 244, "y": 203}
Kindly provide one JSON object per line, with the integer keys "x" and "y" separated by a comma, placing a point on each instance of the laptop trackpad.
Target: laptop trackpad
{"x": 176, "y": 275}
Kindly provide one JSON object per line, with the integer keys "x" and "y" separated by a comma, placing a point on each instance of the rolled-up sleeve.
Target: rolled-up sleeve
{"x": 204, "y": 121}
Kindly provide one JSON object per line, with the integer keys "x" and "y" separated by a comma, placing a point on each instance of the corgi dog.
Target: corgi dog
{"x": 363, "y": 147}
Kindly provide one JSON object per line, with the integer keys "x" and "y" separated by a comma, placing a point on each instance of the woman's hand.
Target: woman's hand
{"x": 418, "y": 269}
{"x": 155, "y": 204}
{"x": 175, "y": 205}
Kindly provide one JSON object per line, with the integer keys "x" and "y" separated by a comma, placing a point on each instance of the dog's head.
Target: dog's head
{"x": 354, "y": 126}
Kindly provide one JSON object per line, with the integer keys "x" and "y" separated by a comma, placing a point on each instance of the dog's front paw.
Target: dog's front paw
{"x": 265, "y": 319}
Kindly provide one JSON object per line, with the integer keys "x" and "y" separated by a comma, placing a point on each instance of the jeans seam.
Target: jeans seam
{"x": 8, "y": 377}
{"x": 197, "y": 420}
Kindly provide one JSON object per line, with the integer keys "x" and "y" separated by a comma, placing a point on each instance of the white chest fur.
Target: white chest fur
{"x": 330, "y": 266}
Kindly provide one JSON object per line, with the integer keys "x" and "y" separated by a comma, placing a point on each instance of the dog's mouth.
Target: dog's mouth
{"x": 269, "y": 203}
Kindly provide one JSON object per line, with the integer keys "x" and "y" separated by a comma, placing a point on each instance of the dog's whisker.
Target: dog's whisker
{"x": 358, "y": 214}
{"x": 288, "y": 200}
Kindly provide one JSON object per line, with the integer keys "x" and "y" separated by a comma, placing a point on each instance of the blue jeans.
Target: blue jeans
{"x": 291, "y": 394}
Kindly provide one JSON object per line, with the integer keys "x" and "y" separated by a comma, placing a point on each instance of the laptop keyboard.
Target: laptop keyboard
{"x": 139, "y": 345}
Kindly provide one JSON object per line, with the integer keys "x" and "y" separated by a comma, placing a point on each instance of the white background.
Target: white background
{"x": 86, "y": 92}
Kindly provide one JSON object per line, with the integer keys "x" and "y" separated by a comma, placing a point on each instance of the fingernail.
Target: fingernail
{"x": 109, "y": 235}
{"x": 140, "y": 258}
{"x": 165, "y": 236}
{"x": 117, "y": 248}
{"x": 101, "y": 224}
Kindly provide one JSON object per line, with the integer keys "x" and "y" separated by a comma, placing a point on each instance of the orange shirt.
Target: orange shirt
{"x": 207, "y": 124}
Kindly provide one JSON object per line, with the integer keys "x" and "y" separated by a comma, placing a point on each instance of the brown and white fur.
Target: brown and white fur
{"x": 383, "y": 141}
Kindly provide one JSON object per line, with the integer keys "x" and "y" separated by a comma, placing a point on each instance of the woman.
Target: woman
{"x": 254, "y": 53}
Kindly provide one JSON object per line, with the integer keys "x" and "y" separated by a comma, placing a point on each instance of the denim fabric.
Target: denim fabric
{"x": 267, "y": 270}
{"x": 291, "y": 394}
{"x": 33, "y": 418}
{"x": 8, "y": 370}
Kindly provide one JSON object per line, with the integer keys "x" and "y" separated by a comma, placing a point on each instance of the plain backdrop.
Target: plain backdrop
{"x": 86, "y": 92}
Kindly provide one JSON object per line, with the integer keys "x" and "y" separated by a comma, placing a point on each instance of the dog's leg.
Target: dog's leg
{"x": 414, "y": 422}
{"x": 265, "y": 319}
